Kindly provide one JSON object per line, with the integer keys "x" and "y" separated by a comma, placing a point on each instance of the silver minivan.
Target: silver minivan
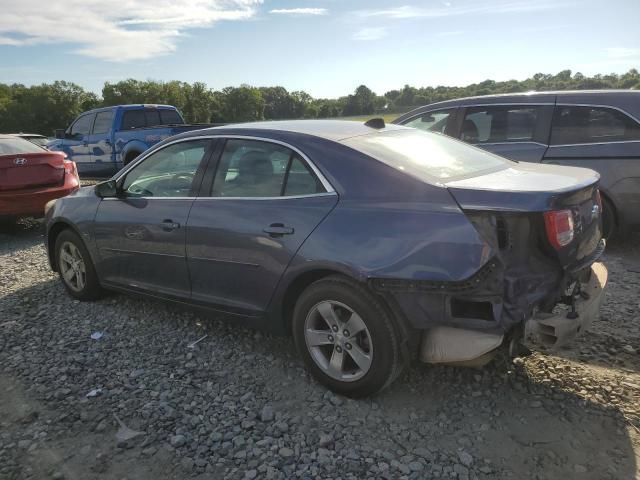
{"x": 597, "y": 129}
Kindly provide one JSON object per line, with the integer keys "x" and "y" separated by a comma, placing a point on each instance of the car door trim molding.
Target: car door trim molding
{"x": 323, "y": 180}
{"x": 592, "y": 143}
{"x": 518, "y": 142}
{"x": 283, "y": 197}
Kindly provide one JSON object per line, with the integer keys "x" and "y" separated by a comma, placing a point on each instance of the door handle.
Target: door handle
{"x": 278, "y": 230}
{"x": 169, "y": 225}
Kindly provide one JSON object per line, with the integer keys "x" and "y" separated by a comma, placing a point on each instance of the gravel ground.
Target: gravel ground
{"x": 238, "y": 404}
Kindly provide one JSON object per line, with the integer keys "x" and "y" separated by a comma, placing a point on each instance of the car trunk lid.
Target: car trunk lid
{"x": 553, "y": 197}
{"x": 31, "y": 170}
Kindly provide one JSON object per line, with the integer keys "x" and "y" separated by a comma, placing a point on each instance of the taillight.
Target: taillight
{"x": 70, "y": 168}
{"x": 559, "y": 225}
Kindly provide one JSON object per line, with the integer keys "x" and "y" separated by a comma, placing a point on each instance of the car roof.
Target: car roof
{"x": 335, "y": 130}
{"x": 130, "y": 106}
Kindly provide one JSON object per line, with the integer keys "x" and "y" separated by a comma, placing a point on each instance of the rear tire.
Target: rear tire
{"x": 75, "y": 267}
{"x": 609, "y": 223}
{"x": 346, "y": 337}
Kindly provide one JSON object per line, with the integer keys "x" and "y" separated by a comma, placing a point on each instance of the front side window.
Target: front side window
{"x": 583, "y": 124}
{"x": 103, "y": 122}
{"x": 81, "y": 126}
{"x": 431, "y": 121}
{"x": 252, "y": 168}
{"x": 499, "y": 124}
{"x": 169, "y": 172}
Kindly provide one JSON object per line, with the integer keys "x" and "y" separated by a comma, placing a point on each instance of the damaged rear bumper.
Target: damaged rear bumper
{"x": 560, "y": 328}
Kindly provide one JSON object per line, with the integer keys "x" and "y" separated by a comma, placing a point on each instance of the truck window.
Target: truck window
{"x": 81, "y": 126}
{"x": 103, "y": 122}
{"x": 169, "y": 117}
{"x": 133, "y": 119}
{"x": 152, "y": 117}
{"x": 579, "y": 124}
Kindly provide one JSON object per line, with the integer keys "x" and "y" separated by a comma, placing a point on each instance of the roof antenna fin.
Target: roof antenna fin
{"x": 376, "y": 123}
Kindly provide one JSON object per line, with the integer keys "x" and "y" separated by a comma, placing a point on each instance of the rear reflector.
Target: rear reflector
{"x": 559, "y": 225}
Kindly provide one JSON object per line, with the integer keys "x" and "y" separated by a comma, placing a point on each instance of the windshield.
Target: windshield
{"x": 428, "y": 156}
{"x": 12, "y": 146}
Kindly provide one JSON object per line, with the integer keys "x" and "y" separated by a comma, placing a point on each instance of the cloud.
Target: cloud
{"x": 128, "y": 30}
{"x": 299, "y": 11}
{"x": 370, "y": 33}
{"x": 449, "y": 9}
{"x": 622, "y": 52}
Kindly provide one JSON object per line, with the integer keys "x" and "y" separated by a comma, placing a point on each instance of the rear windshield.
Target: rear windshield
{"x": 428, "y": 156}
{"x": 13, "y": 146}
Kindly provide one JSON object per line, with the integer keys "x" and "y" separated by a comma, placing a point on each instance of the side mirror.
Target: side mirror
{"x": 108, "y": 189}
{"x": 59, "y": 133}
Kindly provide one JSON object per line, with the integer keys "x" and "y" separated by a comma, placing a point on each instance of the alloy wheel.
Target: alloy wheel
{"x": 72, "y": 267}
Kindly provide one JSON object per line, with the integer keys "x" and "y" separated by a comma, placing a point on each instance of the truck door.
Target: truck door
{"x": 100, "y": 147}
{"x": 76, "y": 143}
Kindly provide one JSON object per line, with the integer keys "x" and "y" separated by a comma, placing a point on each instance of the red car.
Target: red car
{"x": 30, "y": 176}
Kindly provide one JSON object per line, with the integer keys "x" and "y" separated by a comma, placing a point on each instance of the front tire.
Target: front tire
{"x": 346, "y": 337}
{"x": 75, "y": 267}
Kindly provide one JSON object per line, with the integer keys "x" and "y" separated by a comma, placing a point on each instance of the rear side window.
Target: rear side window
{"x": 426, "y": 156}
{"x": 499, "y": 124}
{"x": 152, "y": 117}
{"x": 170, "y": 117}
{"x": 103, "y": 122}
{"x": 133, "y": 119}
{"x": 584, "y": 124}
{"x": 431, "y": 121}
{"x": 252, "y": 168}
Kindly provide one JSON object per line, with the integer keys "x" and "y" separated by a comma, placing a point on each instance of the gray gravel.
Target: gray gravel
{"x": 239, "y": 404}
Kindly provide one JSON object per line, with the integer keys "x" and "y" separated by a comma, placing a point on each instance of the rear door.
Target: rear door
{"x": 515, "y": 131}
{"x": 140, "y": 235}
{"x": 607, "y": 140}
{"x": 76, "y": 143}
{"x": 100, "y": 145}
{"x": 250, "y": 220}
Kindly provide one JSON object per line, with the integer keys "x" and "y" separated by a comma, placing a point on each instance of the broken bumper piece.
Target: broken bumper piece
{"x": 555, "y": 330}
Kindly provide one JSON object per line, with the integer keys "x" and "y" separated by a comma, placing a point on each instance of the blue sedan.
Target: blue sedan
{"x": 372, "y": 244}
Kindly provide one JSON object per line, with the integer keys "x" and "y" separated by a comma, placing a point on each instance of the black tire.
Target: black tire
{"x": 8, "y": 224}
{"x": 609, "y": 223}
{"x": 91, "y": 289}
{"x": 381, "y": 332}
{"x": 131, "y": 156}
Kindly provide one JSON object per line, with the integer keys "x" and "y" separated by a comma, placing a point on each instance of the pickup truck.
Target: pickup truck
{"x": 103, "y": 140}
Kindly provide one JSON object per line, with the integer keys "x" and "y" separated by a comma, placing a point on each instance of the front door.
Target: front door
{"x": 141, "y": 233}
{"x": 242, "y": 233}
{"x": 517, "y": 132}
{"x": 76, "y": 143}
{"x": 102, "y": 158}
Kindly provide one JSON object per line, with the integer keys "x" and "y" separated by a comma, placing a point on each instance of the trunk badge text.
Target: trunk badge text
{"x": 20, "y": 161}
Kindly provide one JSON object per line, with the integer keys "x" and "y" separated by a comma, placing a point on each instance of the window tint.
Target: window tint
{"x": 426, "y": 156}
{"x": 168, "y": 172}
{"x": 152, "y": 117}
{"x": 499, "y": 124}
{"x": 169, "y": 117}
{"x": 11, "y": 146}
{"x": 133, "y": 119}
{"x": 82, "y": 126}
{"x": 573, "y": 124}
{"x": 103, "y": 122}
{"x": 250, "y": 168}
{"x": 431, "y": 122}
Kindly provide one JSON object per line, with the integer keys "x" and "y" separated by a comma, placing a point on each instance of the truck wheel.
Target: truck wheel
{"x": 131, "y": 156}
{"x": 346, "y": 338}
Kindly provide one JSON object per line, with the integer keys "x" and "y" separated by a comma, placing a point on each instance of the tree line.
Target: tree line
{"x": 42, "y": 108}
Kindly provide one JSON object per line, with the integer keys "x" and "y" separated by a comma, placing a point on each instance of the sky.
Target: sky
{"x": 324, "y": 47}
